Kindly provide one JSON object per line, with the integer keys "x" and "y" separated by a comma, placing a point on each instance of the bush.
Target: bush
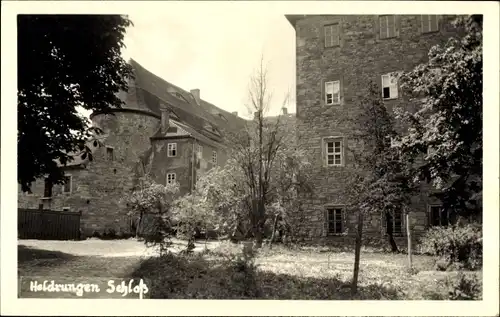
{"x": 464, "y": 287}
{"x": 458, "y": 247}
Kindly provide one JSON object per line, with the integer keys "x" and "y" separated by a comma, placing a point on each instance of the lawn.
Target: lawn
{"x": 277, "y": 273}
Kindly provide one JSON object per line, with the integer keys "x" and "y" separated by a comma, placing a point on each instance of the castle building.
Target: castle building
{"x": 336, "y": 57}
{"x": 162, "y": 130}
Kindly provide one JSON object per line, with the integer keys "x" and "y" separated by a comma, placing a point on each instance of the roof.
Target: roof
{"x": 156, "y": 91}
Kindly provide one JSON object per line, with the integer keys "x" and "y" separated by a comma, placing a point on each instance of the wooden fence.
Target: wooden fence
{"x": 48, "y": 224}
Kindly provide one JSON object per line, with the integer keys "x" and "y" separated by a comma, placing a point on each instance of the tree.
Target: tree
{"x": 446, "y": 128}
{"x": 157, "y": 200}
{"x": 255, "y": 150}
{"x": 379, "y": 179}
{"x": 64, "y": 62}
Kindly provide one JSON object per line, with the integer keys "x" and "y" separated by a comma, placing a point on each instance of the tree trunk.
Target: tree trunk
{"x": 390, "y": 237}
{"x": 408, "y": 235}
{"x": 357, "y": 253}
{"x": 274, "y": 231}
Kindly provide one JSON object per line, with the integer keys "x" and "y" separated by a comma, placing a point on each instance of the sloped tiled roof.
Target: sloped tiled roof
{"x": 155, "y": 90}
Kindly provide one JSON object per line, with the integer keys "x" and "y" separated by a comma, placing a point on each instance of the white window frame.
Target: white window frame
{"x": 200, "y": 150}
{"x": 70, "y": 184}
{"x": 332, "y": 84}
{"x": 171, "y": 147}
{"x": 112, "y": 152}
{"x": 427, "y": 19}
{"x": 386, "y": 31}
{"x": 171, "y": 178}
{"x": 329, "y": 34}
{"x": 334, "y": 231}
{"x": 214, "y": 157}
{"x": 334, "y": 153}
{"x": 390, "y": 81}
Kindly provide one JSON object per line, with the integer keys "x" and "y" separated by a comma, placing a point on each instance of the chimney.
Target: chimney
{"x": 285, "y": 110}
{"x": 165, "y": 117}
{"x": 255, "y": 115}
{"x": 235, "y": 113}
{"x": 196, "y": 95}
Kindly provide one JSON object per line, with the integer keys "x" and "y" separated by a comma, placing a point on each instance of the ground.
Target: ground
{"x": 280, "y": 273}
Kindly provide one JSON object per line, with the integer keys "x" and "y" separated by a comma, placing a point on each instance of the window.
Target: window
{"x": 47, "y": 191}
{"x": 332, "y": 35}
{"x": 171, "y": 149}
{"x": 334, "y": 152}
{"x": 334, "y": 221}
{"x": 396, "y": 218}
{"x": 109, "y": 153}
{"x": 387, "y": 26}
{"x": 170, "y": 178}
{"x": 200, "y": 151}
{"x": 390, "y": 86}
{"x": 332, "y": 92}
{"x": 67, "y": 184}
{"x": 438, "y": 216}
{"x": 430, "y": 23}
{"x": 65, "y": 208}
{"x": 214, "y": 157}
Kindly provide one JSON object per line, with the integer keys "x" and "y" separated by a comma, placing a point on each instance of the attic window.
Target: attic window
{"x": 222, "y": 116}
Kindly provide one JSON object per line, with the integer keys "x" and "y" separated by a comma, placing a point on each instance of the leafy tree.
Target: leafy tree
{"x": 379, "y": 179}
{"x": 446, "y": 128}
{"x": 156, "y": 200}
{"x": 64, "y": 62}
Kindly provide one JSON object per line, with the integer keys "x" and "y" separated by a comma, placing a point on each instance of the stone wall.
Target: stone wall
{"x": 361, "y": 57}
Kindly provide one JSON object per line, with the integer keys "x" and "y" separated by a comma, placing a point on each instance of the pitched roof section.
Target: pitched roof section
{"x": 155, "y": 90}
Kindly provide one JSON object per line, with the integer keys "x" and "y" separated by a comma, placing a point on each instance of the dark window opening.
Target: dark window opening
{"x": 109, "y": 154}
{"x": 386, "y": 92}
{"x": 47, "y": 191}
{"x": 335, "y": 224}
{"x": 438, "y": 216}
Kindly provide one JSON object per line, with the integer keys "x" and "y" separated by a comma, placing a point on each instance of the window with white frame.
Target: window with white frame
{"x": 332, "y": 92}
{"x": 334, "y": 152}
{"x": 438, "y": 216}
{"x": 332, "y": 35}
{"x": 214, "y": 157}
{"x": 430, "y": 23}
{"x": 171, "y": 149}
{"x": 334, "y": 220}
{"x": 387, "y": 26}
{"x": 68, "y": 180}
{"x": 200, "y": 150}
{"x": 390, "y": 86}
{"x": 170, "y": 178}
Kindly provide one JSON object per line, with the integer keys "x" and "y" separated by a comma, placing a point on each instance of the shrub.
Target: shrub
{"x": 464, "y": 287}
{"x": 459, "y": 246}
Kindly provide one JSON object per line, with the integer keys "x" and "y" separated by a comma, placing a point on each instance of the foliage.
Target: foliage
{"x": 446, "y": 128}
{"x": 155, "y": 200}
{"x": 64, "y": 62}
{"x": 464, "y": 287}
{"x": 458, "y": 244}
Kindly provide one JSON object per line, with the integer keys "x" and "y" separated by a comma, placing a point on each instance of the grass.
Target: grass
{"x": 277, "y": 273}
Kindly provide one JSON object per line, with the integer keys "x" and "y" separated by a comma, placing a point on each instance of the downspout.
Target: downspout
{"x": 193, "y": 166}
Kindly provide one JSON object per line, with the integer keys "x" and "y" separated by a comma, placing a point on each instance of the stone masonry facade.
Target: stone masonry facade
{"x": 135, "y": 141}
{"x": 352, "y": 50}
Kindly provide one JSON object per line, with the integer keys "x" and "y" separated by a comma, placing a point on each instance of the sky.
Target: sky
{"x": 217, "y": 52}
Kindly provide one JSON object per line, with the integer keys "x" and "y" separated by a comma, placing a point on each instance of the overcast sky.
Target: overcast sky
{"x": 216, "y": 52}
